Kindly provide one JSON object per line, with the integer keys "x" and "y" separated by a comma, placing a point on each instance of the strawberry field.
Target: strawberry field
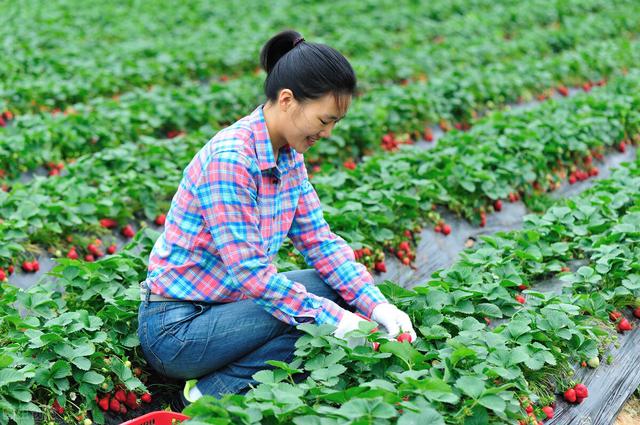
{"x": 486, "y": 174}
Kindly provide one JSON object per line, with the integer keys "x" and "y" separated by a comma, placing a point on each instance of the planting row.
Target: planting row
{"x": 86, "y": 68}
{"x": 36, "y": 140}
{"x": 505, "y": 156}
{"x": 462, "y": 369}
{"x": 70, "y": 352}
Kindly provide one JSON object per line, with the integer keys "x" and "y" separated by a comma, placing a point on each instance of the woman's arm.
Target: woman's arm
{"x": 330, "y": 255}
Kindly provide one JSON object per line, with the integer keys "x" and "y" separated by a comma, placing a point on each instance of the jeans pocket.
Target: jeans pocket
{"x": 147, "y": 351}
{"x": 176, "y": 318}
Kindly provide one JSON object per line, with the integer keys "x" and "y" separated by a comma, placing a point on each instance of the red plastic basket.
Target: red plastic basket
{"x": 157, "y": 418}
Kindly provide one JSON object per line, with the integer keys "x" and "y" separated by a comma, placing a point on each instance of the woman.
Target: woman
{"x": 214, "y": 306}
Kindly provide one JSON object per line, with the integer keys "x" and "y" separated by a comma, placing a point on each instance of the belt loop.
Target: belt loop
{"x": 146, "y": 296}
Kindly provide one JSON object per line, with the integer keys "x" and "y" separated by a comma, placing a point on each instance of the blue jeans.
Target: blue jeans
{"x": 224, "y": 344}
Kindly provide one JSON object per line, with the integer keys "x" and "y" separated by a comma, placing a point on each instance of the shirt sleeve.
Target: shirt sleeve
{"x": 330, "y": 255}
{"x": 227, "y": 195}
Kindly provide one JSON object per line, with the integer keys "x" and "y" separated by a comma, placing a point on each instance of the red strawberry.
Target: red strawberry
{"x": 349, "y": 164}
{"x": 446, "y": 229}
{"x": 594, "y": 172}
{"x": 520, "y": 299}
{"x": 56, "y": 406}
{"x": 636, "y": 311}
{"x": 573, "y": 179}
{"x": 381, "y": 267}
{"x": 404, "y": 337}
{"x": 376, "y": 346}
{"x": 120, "y": 395}
{"x": 8, "y": 115}
{"x": 132, "y": 401}
{"x": 586, "y": 86}
{"x": 428, "y": 135}
{"x": 2, "y": 122}
{"x": 104, "y": 403}
{"x": 563, "y": 90}
{"x": 111, "y": 249}
{"x": 92, "y": 249}
{"x": 123, "y": 409}
{"x": 160, "y": 219}
{"x": 407, "y": 234}
{"x": 72, "y": 254}
{"x": 615, "y": 315}
{"x": 404, "y": 245}
{"x": 579, "y": 399}
{"x": 497, "y": 205}
{"x": 10, "y": 269}
{"x": 90, "y": 258}
{"x": 581, "y": 391}
{"x": 35, "y": 265}
{"x": 529, "y": 409}
{"x": 127, "y": 231}
{"x": 522, "y": 287}
{"x": 146, "y": 397}
{"x": 27, "y": 266}
{"x": 406, "y": 261}
{"x": 548, "y": 410}
{"x": 624, "y": 325}
{"x": 108, "y": 223}
{"x": 437, "y": 229}
{"x": 3, "y": 276}
{"x": 622, "y": 147}
{"x": 570, "y": 395}
{"x": 114, "y": 405}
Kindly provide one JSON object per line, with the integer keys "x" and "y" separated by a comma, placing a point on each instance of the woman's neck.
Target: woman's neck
{"x": 271, "y": 119}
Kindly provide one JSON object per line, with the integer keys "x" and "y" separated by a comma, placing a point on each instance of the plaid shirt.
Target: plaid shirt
{"x": 228, "y": 219}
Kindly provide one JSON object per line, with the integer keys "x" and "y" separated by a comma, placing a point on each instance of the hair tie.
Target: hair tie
{"x": 298, "y": 41}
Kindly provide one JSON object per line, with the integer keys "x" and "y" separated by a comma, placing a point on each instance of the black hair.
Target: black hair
{"x": 309, "y": 70}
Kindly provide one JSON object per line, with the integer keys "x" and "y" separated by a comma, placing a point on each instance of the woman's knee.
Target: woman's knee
{"x": 314, "y": 283}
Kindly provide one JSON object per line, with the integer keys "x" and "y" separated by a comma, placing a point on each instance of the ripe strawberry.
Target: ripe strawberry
{"x": 10, "y": 269}
{"x": 406, "y": 261}
{"x": 404, "y": 245}
{"x": 581, "y": 391}
{"x": 563, "y": 90}
{"x": 437, "y": 229}
{"x": 594, "y": 172}
{"x": 520, "y": 299}
{"x": 160, "y": 219}
{"x": 72, "y": 253}
{"x": 583, "y": 364}
{"x": 446, "y": 229}
{"x": 624, "y": 325}
{"x": 570, "y": 395}
{"x": 108, "y": 223}
{"x": 111, "y": 249}
{"x": 90, "y": 258}
{"x": 522, "y": 287}
{"x": 56, "y": 406}
{"x": 2, "y": 122}
{"x": 529, "y": 409}
{"x": 586, "y": 86}
{"x": 573, "y": 179}
{"x": 114, "y": 405}
{"x": 428, "y": 135}
{"x": 636, "y": 311}
{"x": 349, "y": 164}
{"x": 615, "y": 315}
{"x": 123, "y": 409}
{"x": 35, "y": 265}
{"x": 622, "y": 147}
{"x": 120, "y": 395}
{"x": 407, "y": 234}
{"x": 548, "y": 410}
{"x": 8, "y": 115}
{"x": 127, "y": 231}
{"x": 92, "y": 248}
{"x": 497, "y": 205}
{"x": 380, "y": 267}
{"x": 132, "y": 401}
{"x": 27, "y": 266}
{"x": 146, "y": 397}
{"x": 376, "y": 346}
{"x": 404, "y": 336}
{"x": 104, "y": 403}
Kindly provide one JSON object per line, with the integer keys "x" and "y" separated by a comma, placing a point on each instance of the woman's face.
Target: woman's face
{"x": 313, "y": 120}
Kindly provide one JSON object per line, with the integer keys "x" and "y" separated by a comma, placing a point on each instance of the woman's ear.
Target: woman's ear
{"x": 285, "y": 99}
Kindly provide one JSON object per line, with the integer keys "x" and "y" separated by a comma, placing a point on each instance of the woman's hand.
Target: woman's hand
{"x": 348, "y": 323}
{"x": 393, "y": 319}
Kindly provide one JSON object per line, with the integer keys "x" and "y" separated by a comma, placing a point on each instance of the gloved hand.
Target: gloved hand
{"x": 393, "y": 319}
{"x": 348, "y": 323}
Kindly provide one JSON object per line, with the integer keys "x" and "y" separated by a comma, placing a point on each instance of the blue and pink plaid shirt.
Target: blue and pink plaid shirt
{"x": 228, "y": 219}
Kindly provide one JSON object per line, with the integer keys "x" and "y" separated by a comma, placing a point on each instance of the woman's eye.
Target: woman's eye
{"x": 324, "y": 123}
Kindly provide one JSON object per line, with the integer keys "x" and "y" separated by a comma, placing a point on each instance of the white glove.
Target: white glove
{"x": 348, "y": 323}
{"x": 393, "y": 319}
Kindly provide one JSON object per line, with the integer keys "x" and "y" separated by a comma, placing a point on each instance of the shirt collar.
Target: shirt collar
{"x": 264, "y": 149}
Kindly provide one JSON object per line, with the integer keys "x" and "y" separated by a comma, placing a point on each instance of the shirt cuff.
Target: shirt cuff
{"x": 368, "y": 299}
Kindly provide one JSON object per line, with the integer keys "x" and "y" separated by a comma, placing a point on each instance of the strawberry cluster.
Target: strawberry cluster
{"x": 622, "y": 323}
{"x": 54, "y": 168}
{"x": 576, "y": 393}
{"x": 548, "y": 411}
{"x": 392, "y": 143}
{"x": 4, "y": 117}
{"x": 371, "y": 259}
{"x": 120, "y": 401}
{"x": 5, "y": 274}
